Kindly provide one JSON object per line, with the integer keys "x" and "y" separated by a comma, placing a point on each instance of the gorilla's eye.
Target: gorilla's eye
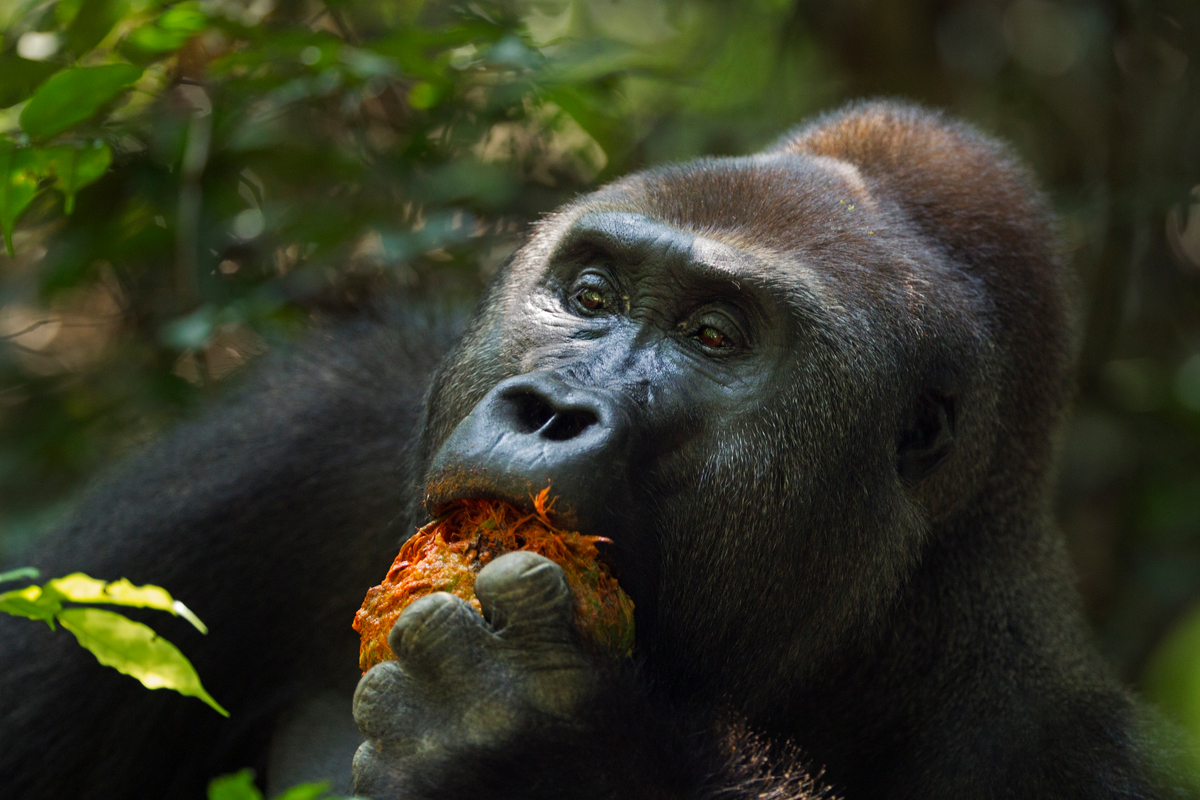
{"x": 716, "y": 329}
{"x": 590, "y": 299}
{"x": 711, "y": 337}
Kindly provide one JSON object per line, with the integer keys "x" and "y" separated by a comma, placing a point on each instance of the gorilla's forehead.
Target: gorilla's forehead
{"x": 783, "y": 201}
{"x": 636, "y": 237}
{"x": 809, "y": 224}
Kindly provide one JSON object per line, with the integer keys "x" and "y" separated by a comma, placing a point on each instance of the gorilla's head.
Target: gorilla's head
{"x": 774, "y": 382}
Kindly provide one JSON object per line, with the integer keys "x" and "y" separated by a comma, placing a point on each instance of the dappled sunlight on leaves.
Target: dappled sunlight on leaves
{"x": 116, "y": 641}
{"x": 136, "y": 650}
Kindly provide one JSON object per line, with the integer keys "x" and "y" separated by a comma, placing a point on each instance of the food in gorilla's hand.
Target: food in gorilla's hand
{"x": 447, "y": 554}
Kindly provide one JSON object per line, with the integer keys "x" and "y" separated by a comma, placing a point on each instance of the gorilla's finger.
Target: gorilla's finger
{"x": 438, "y": 634}
{"x": 376, "y": 772}
{"x": 525, "y": 595}
{"x": 383, "y": 704}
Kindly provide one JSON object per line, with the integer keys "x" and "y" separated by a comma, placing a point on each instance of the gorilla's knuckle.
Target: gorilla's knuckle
{"x": 375, "y": 775}
{"x": 430, "y": 624}
{"x": 521, "y": 580}
{"x": 528, "y": 599}
{"x": 378, "y": 697}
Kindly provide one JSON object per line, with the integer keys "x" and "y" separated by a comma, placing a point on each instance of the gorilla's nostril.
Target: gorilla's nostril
{"x": 569, "y": 424}
{"x": 531, "y": 412}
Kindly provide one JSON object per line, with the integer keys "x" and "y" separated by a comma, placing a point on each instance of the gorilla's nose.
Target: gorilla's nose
{"x": 551, "y": 412}
{"x": 532, "y": 429}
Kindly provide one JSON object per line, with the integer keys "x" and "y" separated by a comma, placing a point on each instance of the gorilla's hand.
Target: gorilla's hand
{"x": 461, "y": 683}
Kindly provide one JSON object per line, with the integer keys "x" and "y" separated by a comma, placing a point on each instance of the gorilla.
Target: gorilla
{"x": 811, "y": 397}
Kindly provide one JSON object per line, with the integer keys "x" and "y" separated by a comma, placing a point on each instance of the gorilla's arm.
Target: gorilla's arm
{"x": 269, "y": 517}
{"x": 512, "y": 706}
{"x": 623, "y": 745}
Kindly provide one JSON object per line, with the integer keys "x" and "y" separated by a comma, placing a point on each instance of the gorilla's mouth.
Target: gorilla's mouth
{"x": 632, "y": 565}
{"x": 479, "y": 484}
{"x": 538, "y": 430}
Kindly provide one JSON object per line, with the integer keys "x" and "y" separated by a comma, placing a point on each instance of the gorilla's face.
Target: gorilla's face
{"x": 705, "y": 364}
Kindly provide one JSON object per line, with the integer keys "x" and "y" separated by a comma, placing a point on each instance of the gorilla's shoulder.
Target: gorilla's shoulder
{"x": 377, "y": 348}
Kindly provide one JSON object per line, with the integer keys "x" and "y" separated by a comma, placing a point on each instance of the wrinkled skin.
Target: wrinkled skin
{"x": 462, "y": 681}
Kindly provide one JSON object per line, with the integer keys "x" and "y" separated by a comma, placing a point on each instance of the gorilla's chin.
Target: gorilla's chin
{"x": 450, "y": 486}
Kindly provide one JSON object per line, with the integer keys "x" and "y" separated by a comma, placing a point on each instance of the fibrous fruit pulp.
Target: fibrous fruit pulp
{"x": 447, "y": 554}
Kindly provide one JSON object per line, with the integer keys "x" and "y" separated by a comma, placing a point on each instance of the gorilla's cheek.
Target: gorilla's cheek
{"x": 781, "y": 535}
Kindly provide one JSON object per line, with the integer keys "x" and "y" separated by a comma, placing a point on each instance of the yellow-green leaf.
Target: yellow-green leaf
{"x": 74, "y": 96}
{"x": 21, "y": 171}
{"x": 305, "y": 791}
{"x": 31, "y": 602}
{"x": 66, "y": 10}
{"x": 166, "y": 34}
{"x": 80, "y": 588}
{"x": 1171, "y": 680}
{"x": 135, "y": 650}
{"x": 76, "y": 167}
{"x": 423, "y": 95}
{"x": 238, "y": 786}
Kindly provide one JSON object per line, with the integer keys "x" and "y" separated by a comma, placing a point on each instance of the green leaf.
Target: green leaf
{"x": 93, "y": 22}
{"x": 74, "y": 96}
{"x": 238, "y": 786}
{"x": 19, "y": 77}
{"x": 423, "y": 95}
{"x": 65, "y": 11}
{"x": 76, "y": 167}
{"x": 136, "y": 650}
{"x": 18, "y": 574}
{"x": 80, "y": 588}
{"x": 305, "y": 791}
{"x": 31, "y": 602}
{"x": 1171, "y": 680}
{"x": 150, "y": 41}
{"x": 21, "y": 171}
{"x": 167, "y": 34}
{"x": 187, "y": 16}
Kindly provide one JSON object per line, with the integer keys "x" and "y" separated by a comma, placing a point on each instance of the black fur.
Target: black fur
{"x": 268, "y": 517}
{"x": 635, "y": 747}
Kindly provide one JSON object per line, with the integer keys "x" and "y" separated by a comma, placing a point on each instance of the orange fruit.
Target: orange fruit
{"x": 447, "y": 554}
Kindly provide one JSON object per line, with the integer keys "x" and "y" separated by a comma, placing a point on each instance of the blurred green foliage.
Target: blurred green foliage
{"x": 240, "y": 786}
{"x": 239, "y": 169}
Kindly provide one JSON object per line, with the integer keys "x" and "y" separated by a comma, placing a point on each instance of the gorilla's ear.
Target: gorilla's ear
{"x": 929, "y": 439}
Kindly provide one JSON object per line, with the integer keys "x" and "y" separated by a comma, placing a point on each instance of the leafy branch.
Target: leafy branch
{"x": 240, "y": 786}
{"x": 115, "y": 640}
{"x": 60, "y": 94}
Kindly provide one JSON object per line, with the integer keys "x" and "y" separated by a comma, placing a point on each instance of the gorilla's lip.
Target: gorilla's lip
{"x": 476, "y": 483}
{"x": 445, "y": 487}
{"x": 479, "y": 484}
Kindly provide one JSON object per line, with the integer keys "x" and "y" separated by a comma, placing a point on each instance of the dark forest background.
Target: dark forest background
{"x": 184, "y": 186}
